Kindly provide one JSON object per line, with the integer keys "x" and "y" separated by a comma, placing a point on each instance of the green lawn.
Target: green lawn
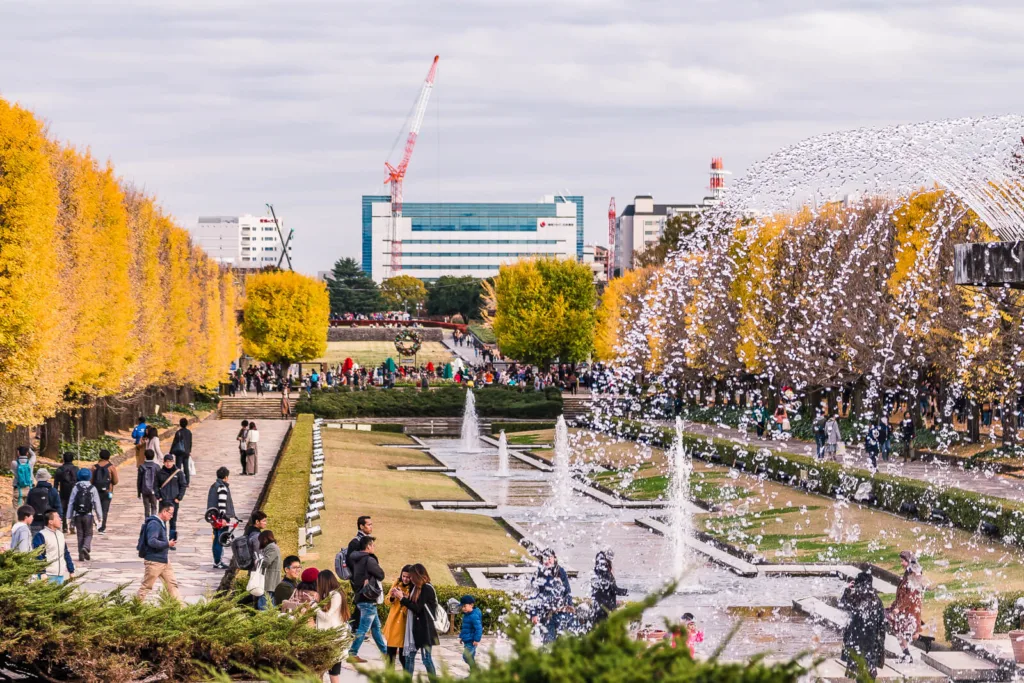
{"x": 372, "y": 354}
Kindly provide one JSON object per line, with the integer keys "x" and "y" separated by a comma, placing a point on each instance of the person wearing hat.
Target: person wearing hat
{"x": 170, "y": 488}
{"x": 84, "y": 509}
{"x": 43, "y": 498}
{"x": 472, "y": 629}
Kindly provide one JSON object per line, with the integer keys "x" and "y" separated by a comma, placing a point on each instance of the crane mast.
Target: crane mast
{"x": 396, "y": 175}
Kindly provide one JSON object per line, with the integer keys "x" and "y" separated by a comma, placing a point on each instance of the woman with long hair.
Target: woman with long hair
{"x": 153, "y": 444}
{"x": 271, "y": 565}
{"x": 252, "y": 444}
{"x": 336, "y": 614}
{"x": 904, "y": 616}
{"x": 394, "y": 628}
{"x": 420, "y": 633}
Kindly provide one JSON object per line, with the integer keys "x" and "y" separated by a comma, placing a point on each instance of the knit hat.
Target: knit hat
{"x": 310, "y": 575}
{"x": 42, "y": 475}
{"x": 467, "y": 600}
{"x": 84, "y": 475}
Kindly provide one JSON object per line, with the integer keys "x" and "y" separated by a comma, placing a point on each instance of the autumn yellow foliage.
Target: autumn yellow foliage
{"x": 285, "y": 317}
{"x": 621, "y": 301}
{"x": 101, "y": 293}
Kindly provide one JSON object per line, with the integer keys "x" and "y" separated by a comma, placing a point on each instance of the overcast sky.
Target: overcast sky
{"x": 221, "y": 107}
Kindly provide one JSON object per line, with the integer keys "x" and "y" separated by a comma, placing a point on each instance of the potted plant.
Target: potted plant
{"x": 1017, "y": 641}
{"x": 981, "y": 622}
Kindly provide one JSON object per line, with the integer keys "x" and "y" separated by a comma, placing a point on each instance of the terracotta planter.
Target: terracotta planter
{"x": 981, "y": 623}
{"x": 652, "y": 635}
{"x": 1017, "y": 641}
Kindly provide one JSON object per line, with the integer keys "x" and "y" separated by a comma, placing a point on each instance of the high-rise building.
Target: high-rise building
{"x": 245, "y": 241}
{"x": 640, "y": 225}
{"x": 469, "y": 238}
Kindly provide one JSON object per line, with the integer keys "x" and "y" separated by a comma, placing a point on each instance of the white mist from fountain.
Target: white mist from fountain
{"x": 680, "y": 519}
{"x": 503, "y": 469}
{"x": 470, "y": 425}
{"x": 562, "y": 485}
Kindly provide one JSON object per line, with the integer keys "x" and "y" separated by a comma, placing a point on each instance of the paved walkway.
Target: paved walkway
{"x": 942, "y": 474}
{"x": 114, "y": 558}
{"x": 447, "y": 656}
{"x": 466, "y": 352}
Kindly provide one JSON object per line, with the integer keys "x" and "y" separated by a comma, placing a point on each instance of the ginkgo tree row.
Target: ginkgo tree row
{"x": 101, "y": 293}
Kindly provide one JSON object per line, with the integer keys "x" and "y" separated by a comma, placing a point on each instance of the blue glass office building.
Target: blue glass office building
{"x": 468, "y": 238}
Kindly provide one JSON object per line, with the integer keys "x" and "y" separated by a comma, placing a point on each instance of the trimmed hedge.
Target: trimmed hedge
{"x": 954, "y": 617}
{"x": 387, "y": 427}
{"x": 289, "y": 490}
{"x": 964, "y": 509}
{"x": 511, "y": 427}
{"x": 444, "y": 402}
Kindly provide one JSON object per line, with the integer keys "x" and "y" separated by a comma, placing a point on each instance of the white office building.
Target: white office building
{"x": 245, "y": 241}
{"x": 471, "y": 238}
{"x": 640, "y": 225}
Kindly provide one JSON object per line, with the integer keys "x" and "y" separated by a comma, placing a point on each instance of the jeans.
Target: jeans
{"x": 819, "y": 442}
{"x": 428, "y": 662}
{"x": 59, "y": 580}
{"x": 369, "y": 620}
{"x": 261, "y": 602}
{"x": 469, "y": 654}
{"x": 218, "y": 549}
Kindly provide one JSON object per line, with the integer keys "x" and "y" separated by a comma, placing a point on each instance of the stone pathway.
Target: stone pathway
{"x": 114, "y": 558}
{"x": 942, "y": 474}
{"x": 447, "y": 657}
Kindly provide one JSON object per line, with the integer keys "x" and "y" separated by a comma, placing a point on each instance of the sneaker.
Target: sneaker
{"x": 102, "y": 532}
{"x": 356, "y": 659}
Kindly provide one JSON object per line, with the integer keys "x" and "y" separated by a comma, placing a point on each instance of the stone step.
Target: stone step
{"x": 963, "y": 666}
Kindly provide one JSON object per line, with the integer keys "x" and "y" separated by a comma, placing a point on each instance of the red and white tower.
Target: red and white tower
{"x": 717, "y": 185}
{"x": 611, "y": 238}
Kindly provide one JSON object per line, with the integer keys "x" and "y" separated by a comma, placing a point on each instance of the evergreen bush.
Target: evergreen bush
{"x": 954, "y": 616}
{"x": 443, "y": 402}
{"x": 89, "y": 449}
{"x": 511, "y": 427}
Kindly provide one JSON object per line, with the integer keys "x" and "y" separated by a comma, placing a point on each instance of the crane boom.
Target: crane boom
{"x": 397, "y": 174}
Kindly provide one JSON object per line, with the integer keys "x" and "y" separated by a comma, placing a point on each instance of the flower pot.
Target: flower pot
{"x": 1017, "y": 641}
{"x": 981, "y": 623}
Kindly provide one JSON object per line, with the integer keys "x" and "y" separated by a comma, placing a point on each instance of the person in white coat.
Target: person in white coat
{"x": 336, "y": 615}
{"x": 832, "y": 437}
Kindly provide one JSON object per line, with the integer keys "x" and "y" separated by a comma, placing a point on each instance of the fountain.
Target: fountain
{"x": 561, "y": 501}
{"x": 470, "y": 425}
{"x": 680, "y": 520}
{"x": 503, "y": 469}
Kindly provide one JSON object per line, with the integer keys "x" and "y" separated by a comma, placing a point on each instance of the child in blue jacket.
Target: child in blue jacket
{"x": 472, "y": 629}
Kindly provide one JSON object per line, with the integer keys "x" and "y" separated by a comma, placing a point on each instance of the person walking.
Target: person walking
{"x": 59, "y": 567}
{"x": 139, "y": 434}
{"x": 832, "y": 437}
{"x": 872, "y": 445}
{"x": 22, "y": 467}
{"x": 472, "y": 631}
{"x": 367, "y": 575}
{"x": 66, "y": 476}
{"x": 760, "y": 418}
{"x": 219, "y": 498}
{"x": 335, "y": 616}
{"x": 820, "y": 436}
{"x": 907, "y": 433}
{"x": 904, "y": 616}
{"x": 364, "y": 527}
{"x": 551, "y": 601}
{"x": 252, "y": 444}
{"x": 286, "y": 405}
{"x": 181, "y": 449}
{"x": 394, "y": 627}
{"x": 84, "y": 510}
{"x": 243, "y": 434}
{"x": 153, "y": 547}
{"x": 153, "y": 444}
{"x": 603, "y": 589}
{"x": 271, "y": 566}
{"x": 884, "y": 438}
{"x": 43, "y": 498}
{"x": 864, "y": 635}
{"x": 104, "y": 478}
{"x": 21, "y": 532}
{"x": 146, "y": 486}
{"x": 170, "y": 488}
{"x": 420, "y": 632}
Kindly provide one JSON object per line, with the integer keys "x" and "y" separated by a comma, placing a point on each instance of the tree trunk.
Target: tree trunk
{"x": 857, "y": 399}
{"x": 1008, "y": 419}
{"x": 973, "y": 422}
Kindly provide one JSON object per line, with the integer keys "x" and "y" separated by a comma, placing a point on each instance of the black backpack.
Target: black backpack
{"x": 83, "y": 501}
{"x": 143, "y": 545}
{"x": 39, "y": 499}
{"x": 67, "y": 474}
{"x": 101, "y": 477}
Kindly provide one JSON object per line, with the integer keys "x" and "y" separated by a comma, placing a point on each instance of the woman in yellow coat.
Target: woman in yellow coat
{"x": 394, "y": 627}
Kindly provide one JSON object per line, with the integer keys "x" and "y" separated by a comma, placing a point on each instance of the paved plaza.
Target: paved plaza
{"x": 114, "y": 558}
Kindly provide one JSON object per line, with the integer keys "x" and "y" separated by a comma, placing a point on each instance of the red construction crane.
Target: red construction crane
{"x": 396, "y": 174}
{"x": 611, "y": 238}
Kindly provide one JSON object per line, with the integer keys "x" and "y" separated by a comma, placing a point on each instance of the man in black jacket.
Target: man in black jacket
{"x": 170, "y": 488}
{"x": 367, "y": 575}
{"x": 65, "y": 477}
{"x": 364, "y": 527}
{"x": 181, "y": 448}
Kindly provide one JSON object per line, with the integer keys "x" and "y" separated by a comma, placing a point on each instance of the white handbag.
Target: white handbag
{"x": 191, "y": 468}
{"x": 257, "y": 579}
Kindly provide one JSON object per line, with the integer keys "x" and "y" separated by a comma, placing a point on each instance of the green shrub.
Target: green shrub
{"x": 205, "y": 406}
{"x": 60, "y": 633}
{"x": 443, "y": 402}
{"x": 158, "y": 421}
{"x": 954, "y": 616}
{"x": 511, "y": 427}
{"x": 387, "y": 427}
{"x": 181, "y": 409}
{"x": 289, "y": 489}
{"x": 89, "y": 449}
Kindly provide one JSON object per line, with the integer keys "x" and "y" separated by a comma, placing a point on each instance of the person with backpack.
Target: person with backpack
{"x": 219, "y": 498}
{"x": 21, "y": 533}
{"x": 104, "y": 478}
{"x": 43, "y": 498}
{"x": 367, "y": 575}
{"x": 343, "y": 565}
{"x": 139, "y": 434}
{"x": 59, "y": 567}
{"x": 181, "y": 449}
{"x": 23, "y": 465}
{"x": 170, "y": 488}
{"x": 423, "y": 612}
{"x": 243, "y": 435}
{"x": 146, "y": 484}
{"x": 84, "y": 508}
{"x": 66, "y": 476}
{"x": 153, "y": 546}
{"x": 252, "y": 533}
